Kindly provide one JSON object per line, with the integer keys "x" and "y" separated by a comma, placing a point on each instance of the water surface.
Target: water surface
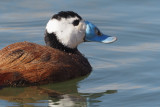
{"x": 125, "y": 73}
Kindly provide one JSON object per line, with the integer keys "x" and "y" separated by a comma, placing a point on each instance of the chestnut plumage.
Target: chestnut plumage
{"x": 26, "y": 63}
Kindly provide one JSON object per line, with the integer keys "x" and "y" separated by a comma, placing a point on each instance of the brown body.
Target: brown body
{"x": 26, "y": 63}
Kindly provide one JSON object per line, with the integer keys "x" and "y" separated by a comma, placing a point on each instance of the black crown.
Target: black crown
{"x": 65, "y": 14}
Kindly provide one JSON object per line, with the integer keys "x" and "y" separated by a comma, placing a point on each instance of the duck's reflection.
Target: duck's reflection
{"x": 63, "y": 94}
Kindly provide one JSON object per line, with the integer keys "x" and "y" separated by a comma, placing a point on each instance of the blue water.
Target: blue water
{"x": 125, "y": 73}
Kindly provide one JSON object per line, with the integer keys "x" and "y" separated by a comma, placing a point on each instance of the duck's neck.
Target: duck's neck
{"x": 52, "y": 41}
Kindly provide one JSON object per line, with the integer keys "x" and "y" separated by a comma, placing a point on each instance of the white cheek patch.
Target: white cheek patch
{"x": 52, "y": 26}
{"x": 68, "y": 34}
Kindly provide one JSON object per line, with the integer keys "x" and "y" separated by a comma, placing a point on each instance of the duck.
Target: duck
{"x": 26, "y": 63}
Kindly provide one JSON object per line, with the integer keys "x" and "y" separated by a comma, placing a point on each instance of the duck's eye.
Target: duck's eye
{"x": 98, "y": 32}
{"x": 75, "y": 22}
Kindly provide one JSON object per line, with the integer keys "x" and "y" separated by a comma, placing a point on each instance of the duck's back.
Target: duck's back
{"x": 26, "y": 63}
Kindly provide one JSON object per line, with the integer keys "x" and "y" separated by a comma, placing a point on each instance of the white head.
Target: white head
{"x": 68, "y": 27}
{"x": 66, "y": 30}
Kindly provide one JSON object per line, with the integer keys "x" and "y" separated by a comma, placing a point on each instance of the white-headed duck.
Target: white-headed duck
{"x": 26, "y": 63}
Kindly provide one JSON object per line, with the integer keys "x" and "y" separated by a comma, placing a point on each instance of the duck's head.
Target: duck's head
{"x": 66, "y": 30}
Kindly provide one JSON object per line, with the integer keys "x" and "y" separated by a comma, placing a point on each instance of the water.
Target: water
{"x": 125, "y": 73}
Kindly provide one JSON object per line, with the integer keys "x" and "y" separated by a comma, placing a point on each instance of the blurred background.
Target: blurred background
{"x": 125, "y": 73}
